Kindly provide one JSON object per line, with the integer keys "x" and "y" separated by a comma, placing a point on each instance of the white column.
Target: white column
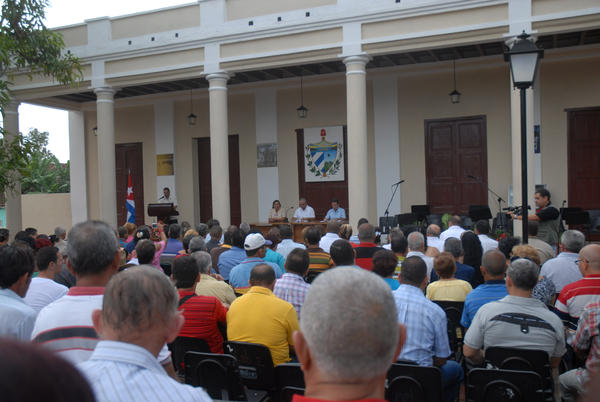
{"x": 265, "y": 101}
{"x": 164, "y": 136}
{"x": 79, "y": 209}
{"x": 356, "y": 106}
{"x": 107, "y": 182}
{"x": 14, "y": 221}
{"x": 219, "y": 147}
{"x": 515, "y": 117}
{"x": 387, "y": 142}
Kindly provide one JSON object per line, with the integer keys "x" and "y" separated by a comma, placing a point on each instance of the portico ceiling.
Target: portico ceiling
{"x": 554, "y": 41}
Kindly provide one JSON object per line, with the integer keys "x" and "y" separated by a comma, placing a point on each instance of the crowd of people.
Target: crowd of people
{"x": 111, "y": 301}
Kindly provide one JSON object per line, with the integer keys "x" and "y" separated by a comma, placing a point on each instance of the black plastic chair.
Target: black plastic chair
{"x": 166, "y": 261}
{"x": 456, "y": 332}
{"x": 183, "y": 344}
{"x": 491, "y": 385}
{"x": 217, "y": 374}
{"x": 537, "y": 361}
{"x": 290, "y": 380}
{"x": 255, "y": 363}
{"x": 410, "y": 383}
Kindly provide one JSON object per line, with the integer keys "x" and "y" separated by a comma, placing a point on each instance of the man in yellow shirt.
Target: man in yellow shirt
{"x": 261, "y": 317}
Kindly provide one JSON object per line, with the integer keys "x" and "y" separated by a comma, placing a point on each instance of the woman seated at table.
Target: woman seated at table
{"x": 277, "y": 214}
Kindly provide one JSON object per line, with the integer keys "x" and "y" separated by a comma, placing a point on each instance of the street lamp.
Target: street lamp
{"x": 302, "y": 111}
{"x": 524, "y": 57}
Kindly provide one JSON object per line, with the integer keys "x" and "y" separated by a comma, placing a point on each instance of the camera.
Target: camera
{"x": 517, "y": 210}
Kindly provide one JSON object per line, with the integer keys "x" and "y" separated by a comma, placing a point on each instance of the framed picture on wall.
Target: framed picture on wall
{"x": 266, "y": 155}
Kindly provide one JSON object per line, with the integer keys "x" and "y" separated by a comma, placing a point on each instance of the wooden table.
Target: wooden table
{"x": 297, "y": 228}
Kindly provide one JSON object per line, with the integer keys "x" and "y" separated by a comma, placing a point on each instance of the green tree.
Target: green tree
{"x": 44, "y": 172}
{"x": 26, "y": 45}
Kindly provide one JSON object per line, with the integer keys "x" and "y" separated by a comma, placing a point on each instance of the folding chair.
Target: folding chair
{"x": 411, "y": 383}
{"x": 255, "y": 363}
{"x": 453, "y": 312}
{"x": 290, "y": 381}
{"x": 492, "y": 385}
{"x": 217, "y": 374}
{"x": 183, "y": 344}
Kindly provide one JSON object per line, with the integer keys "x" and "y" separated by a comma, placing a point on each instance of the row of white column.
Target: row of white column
{"x": 356, "y": 102}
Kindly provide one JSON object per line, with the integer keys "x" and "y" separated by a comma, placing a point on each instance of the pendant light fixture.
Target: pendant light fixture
{"x": 191, "y": 117}
{"x": 454, "y": 95}
{"x": 301, "y": 110}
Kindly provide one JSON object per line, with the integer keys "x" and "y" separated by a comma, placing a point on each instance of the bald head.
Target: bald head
{"x": 494, "y": 264}
{"x": 262, "y": 275}
{"x": 590, "y": 259}
{"x": 366, "y": 233}
{"x": 433, "y": 230}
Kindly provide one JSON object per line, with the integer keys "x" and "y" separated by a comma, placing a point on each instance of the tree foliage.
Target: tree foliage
{"x": 44, "y": 173}
{"x": 27, "y": 46}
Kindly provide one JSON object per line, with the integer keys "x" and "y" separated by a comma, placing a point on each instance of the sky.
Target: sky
{"x": 67, "y": 12}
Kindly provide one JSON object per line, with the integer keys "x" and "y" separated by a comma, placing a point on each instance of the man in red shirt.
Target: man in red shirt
{"x": 345, "y": 349}
{"x": 202, "y": 313}
{"x": 367, "y": 247}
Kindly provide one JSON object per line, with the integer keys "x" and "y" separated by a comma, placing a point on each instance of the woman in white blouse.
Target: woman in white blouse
{"x": 277, "y": 214}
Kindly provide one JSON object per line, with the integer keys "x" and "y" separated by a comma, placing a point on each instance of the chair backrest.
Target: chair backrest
{"x": 289, "y": 377}
{"x": 255, "y": 363}
{"x": 519, "y": 359}
{"x": 166, "y": 261}
{"x": 491, "y": 385}
{"x": 453, "y": 312}
{"x": 217, "y": 374}
{"x": 286, "y": 394}
{"x": 409, "y": 383}
{"x": 183, "y": 344}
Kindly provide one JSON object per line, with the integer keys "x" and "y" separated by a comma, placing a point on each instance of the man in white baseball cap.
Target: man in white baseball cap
{"x": 254, "y": 244}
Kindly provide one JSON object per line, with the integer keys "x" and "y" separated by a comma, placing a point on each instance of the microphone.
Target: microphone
{"x": 162, "y": 198}
{"x": 400, "y": 182}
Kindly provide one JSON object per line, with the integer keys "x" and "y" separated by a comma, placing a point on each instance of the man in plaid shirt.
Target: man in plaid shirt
{"x": 572, "y": 382}
{"x": 291, "y": 287}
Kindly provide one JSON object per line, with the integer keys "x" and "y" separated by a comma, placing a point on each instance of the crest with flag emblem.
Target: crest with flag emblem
{"x": 129, "y": 201}
{"x": 324, "y": 159}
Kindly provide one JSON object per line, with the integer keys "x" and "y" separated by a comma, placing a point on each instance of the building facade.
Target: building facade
{"x": 378, "y": 71}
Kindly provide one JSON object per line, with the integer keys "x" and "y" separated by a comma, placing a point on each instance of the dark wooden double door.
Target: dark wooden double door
{"x": 456, "y": 149}
{"x": 584, "y": 158}
{"x": 129, "y": 158}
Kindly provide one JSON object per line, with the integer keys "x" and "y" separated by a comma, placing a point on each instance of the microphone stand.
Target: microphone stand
{"x": 499, "y": 199}
{"x": 386, "y": 214}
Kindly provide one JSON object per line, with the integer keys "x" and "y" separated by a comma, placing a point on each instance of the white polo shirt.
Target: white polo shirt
{"x": 305, "y": 213}
{"x": 43, "y": 291}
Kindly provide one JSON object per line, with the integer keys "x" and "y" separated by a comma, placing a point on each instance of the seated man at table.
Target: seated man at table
{"x": 336, "y": 213}
{"x": 304, "y": 211}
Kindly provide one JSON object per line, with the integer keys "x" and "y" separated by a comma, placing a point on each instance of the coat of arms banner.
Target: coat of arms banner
{"x": 324, "y": 154}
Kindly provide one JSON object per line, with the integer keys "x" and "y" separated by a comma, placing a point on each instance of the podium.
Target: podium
{"x": 162, "y": 211}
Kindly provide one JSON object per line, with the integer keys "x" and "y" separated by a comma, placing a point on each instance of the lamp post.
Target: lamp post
{"x": 524, "y": 57}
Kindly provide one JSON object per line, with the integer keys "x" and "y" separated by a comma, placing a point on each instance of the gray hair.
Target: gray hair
{"x": 245, "y": 227}
{"x": 366, "y": 231}
{"x": 59, "y": 231}
{"x": 203, "y": 260}
{"x": 416, "y": 241}
{"x": 433, "y": 230}
{"x": 91, "y": 247}
{"x": 573, "y": 240}
{"x": 523, "y": 273}
{"x": 137, "y": 299}
{"x": 196, "y": 244}
{"x": 350, "y": 323}
{"x": 454, "y": 247}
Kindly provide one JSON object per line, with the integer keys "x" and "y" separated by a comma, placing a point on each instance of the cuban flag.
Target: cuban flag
{"x": 129, "y": 202}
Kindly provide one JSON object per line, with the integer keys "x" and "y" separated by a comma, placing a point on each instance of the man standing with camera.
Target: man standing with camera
{"x": 548, "y": 217}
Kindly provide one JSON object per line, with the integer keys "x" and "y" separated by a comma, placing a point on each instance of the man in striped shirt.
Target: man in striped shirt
{"x": 574, "y": 296}
{"x": 291, "y": 287}
{"x": 319, "y": 259}
{"x": 139, "y": 312}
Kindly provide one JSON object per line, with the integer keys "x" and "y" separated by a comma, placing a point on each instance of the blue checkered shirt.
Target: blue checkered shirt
{"x": 426, "y": 326}
{"x": 292, "y": 288}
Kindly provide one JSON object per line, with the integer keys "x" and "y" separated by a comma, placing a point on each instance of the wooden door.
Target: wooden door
{"x": 319, "y": 194}
{"x": 129, "y": 157}
{"x": 584, "y": 158}
{"x": 205, "y": 183}
{"x": 456, "y": 149}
